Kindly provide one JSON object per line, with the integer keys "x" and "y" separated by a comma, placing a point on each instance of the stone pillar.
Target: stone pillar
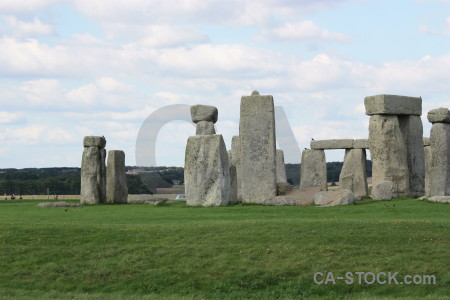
{"x": 313, "y": 170}
{"x": 92, "y": 176}
{"x": 102, "y": 175}
{"x": 258, "y": 155}
{"x": 427, "y": 152}
{"x": 236, "y": 161}
{"x": 281, "y": 168}
{"x": 116, "y": 182}
{"x": 440, "y": 152}
{"x": 353, "y": 176}
{"x": 206, "y": 166}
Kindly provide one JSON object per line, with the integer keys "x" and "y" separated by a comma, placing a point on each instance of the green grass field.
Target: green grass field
{"x": 139, "y": 251}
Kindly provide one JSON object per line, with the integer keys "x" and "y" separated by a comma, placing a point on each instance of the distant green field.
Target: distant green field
{"x": 139, "y": 251}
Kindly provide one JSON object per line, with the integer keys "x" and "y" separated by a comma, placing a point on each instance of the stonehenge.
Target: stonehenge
{"x": 313, "y": 171}
{"x": 92, "y": 171}
{"x": 116, "y": 181}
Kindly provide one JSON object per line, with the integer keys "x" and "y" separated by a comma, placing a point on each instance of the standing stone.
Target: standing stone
{"x": 427, "y": 152}
{"x": 236, "y": 161}
{"x": 389, "y": 154}
{"x": 116, "y": 182}
{"x": 233, "y": 185}
{"x": 313, "y": 170}
{"x": 281, "y": 167}
{"x": 257, "y": 142}
{"x": 440, "y": 160}
{"x": 412, "y": 130}
{"x": 207, "y": 171}
{"x": 101, "y": 178}
{"x": 353, "y": 175}
{"x": 90, "y": 168}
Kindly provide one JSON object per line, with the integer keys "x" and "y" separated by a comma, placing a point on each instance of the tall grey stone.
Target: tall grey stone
{"x": 393, "y": 105}
{"x": 233, "y": 185}
{"x": 116, "y": 181}
{"x": 412, "y": 131}
{"x": 207, "y": 171}
{"x": 90, "y": 192}
{"x": 389, "y": 154}
{"x": 101, "y": 178}
{"x": 353, "y": 174}
{"x": 427, "y": 152}
{"x": 440, "y": 159}
{"x": 236, "y": 161}
{"x": 257, "y": 142}
{"x": 313, "y": 170}
{"x": 281, "y": 167}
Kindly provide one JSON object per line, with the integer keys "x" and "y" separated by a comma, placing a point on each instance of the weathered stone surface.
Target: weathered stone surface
{"x": 426, "y": 141}
{"x": 439, "y": 115}
{"x": 353, "y": 174}
{"x": 283, "y": 188}
{"x": 393, "y": 105}
{"x": 207, "y": 171}
{"x": 281, "y": 168}
{"x": 440, "y": 160}
{"x": 90, "y": 168}
{"x": 441, "y": 199}
{"x": 382, "y": 191}
{"x": 204, "y": 113}
{"x": 101, "y": 178}
{"x": 116, "y": 181}
{"x": 305, "y": 196}
{"x": 412, "y": 131}
{"x": 94, "y": 141}
{"x": 233, "y": 184}
{"x": 331, "y": 144}
{"x": 281, "y": 201}
{"x": 257, "y": 143}
{"x": 389, "y": 154}
{"x": 205, "y": 128}
{"x": 333, "y": 198}
{"x": 313, "y": 170}
{"x": 236, "y": 161}
{"x": 361, "y": 144}
{"x": 427, "y": 152}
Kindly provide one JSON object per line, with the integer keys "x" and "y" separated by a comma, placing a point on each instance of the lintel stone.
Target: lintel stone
{"x": 439, "y": 115}
{"x": 361, "y": 144}
{"x": 393, "y": 105}
{"x": 94, "y": 141}
{"x": 331, "y": 144}
{"x": 204, "y": 113}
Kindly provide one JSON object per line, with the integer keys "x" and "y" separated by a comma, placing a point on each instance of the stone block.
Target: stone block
{"x": 90, "y": 170}
{"x": 283, "y": 188}
{"x": 333, "y": 198}
{"x": 331, "y": 144}
{"x": 313, "y": 170}
{"x": 204, "y": 113}
{"x": 101, "y": 178}
{"x": 233, "y": 184}
{"x": 440, "y": 199}
{"x": 439, "y": 115}
{"x": 393, "y": 105}
{"x": 427, "y": 152}
{"x": 205, "y": 128}
{"x": 94, "y": 141}
{"x": 382, "y": 191}
{"x": 440, "y": 160}
{"x": 236, "y": 161}
{"x": 361, "y": 144}
{"x": 426, "y": 141}
{"x": 281, "y": 168}
{"x": 353, "y": 174}
{"x": 116, "y": 181}
{"x": 207, "y": 171}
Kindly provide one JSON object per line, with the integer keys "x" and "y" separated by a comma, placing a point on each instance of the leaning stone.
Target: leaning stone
{"x": 257, "y": 143}
{"x": 439, "y": 115}
{"x": 440, "y": 199}
{"x": 94, "y": 141}
{"x": 333, "y": 198}
{"x": 389, "y": 153}
{"x": 331, "y": 144}
{"x": 283, "y": 188}
{"x": 207, "y": 171}
{"x": 116, "y": 181}
{"x": 412, "y": 131}
{"x": 393, "y": 105}
{"x": 440, "y": 160}
{"x": 204, "y": 113}
{"x": 90, "y": 168}
{"x": 236, "y": 161}
{"x": 361, "y": 144}
{"x": 382, "y": 191}
{"x": 281, "y": 167}
{"x": 353, "y": 174}
{"x": 427, "y": 152}
{"x": 313, "y": 169}
{"x": 205, "y": 128}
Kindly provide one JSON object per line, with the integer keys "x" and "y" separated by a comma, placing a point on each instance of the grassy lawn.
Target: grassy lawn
{"x": 138, "y": 251}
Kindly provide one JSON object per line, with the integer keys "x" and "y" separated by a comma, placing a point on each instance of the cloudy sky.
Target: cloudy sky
{"x": 100, "y": 67}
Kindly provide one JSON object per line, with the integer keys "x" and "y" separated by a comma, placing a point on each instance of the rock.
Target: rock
{"x": 331, "y": 144}
{"x": 116, "y": 181}
{"x": 233, "y": 184}
{"x": 305, "y": 196}
{"x": 94, "y": 141}
{"x": 205, "y": 128}
{"x": 353, "y": 174}
{"x": 90, "y": 170}
{"x": 283, "y": 188}
{"x": 382, "y": 191}
{"x": 281, "y": 200}
{"x": 427, "y": 152}
{"x": 257, "y": 143}
{"x": 281, "y": 168}
{"x": 426, "y": 141}
{"x": 388, "y": 153}
{"x": 439, "y": 115}
{"x": 393, "y": 105}
{"x": 361, "y": 144}
{"x": 313, "y": 170}
{"x": 440, "y": 160}
{"x": 101, "y": 177}
{"x": 236, "y": 161}
{"x": 333, "y": 198}
{"x": 204, "y": 113}
{"x": 441, "y": 199}
{"x": 207, "y": 171}
{"x": 412, "y": 131}
{"x": 58, "y": 204}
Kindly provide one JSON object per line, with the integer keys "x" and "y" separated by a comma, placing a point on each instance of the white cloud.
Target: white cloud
{"x": 10, "y": 117}
{"x": 21, "y": 28}
{"x": 23, "y": 5}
